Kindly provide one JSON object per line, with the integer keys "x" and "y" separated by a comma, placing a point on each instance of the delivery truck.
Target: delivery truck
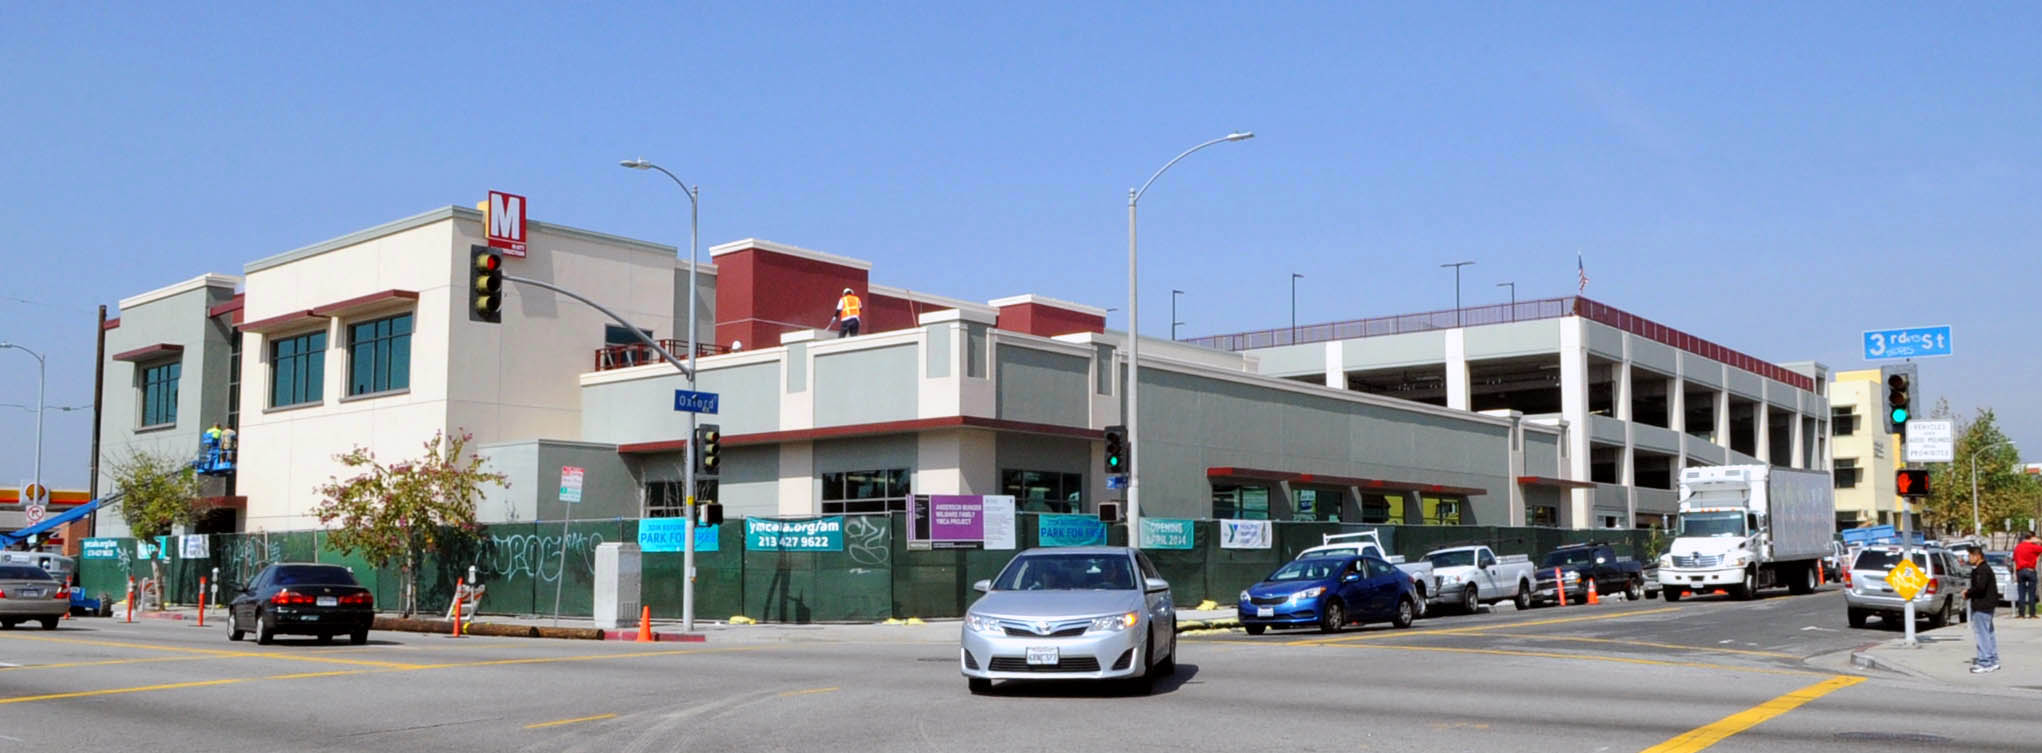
{"x": 1747, "y": 527}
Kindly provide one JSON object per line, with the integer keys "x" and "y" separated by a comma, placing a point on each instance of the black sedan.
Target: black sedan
{"x": 302, "y": 599}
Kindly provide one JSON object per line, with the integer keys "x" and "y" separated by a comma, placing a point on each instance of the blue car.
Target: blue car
{"x": 1330, "y": 593}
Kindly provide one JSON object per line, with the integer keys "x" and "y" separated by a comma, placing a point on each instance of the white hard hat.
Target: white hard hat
{"x": 847, "y": 291}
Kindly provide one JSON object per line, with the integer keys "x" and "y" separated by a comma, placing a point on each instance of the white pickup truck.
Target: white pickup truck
{"x": 1470, "y": 576}
{"x": 1368, "y": 543}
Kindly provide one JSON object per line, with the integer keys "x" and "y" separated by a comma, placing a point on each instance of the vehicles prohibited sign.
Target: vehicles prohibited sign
{"x": 1906, "y": 579}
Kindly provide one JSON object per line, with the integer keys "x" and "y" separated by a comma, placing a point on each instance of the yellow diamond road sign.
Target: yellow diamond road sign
{"x": 1906, "y": 579}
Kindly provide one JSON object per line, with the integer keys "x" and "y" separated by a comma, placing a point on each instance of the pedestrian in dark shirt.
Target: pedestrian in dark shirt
{"x": 1984, "y": 596}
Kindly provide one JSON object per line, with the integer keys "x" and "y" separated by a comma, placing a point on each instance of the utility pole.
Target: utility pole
{"x": 1294, "y": 307}
{"x": 1173, "y": 313}
{"x": 1457, "y": 289}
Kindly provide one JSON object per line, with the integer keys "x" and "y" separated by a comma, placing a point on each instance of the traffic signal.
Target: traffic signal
{"x": 1911, "y": 483}
{"x": 485, "y": 285}
{"x": 1899, "y": 397}
{"x": 708, "y": 515}
{"x": 1119, "y": 454}
{"x": 707, "y": 491}
{"x": 708, "y": 449}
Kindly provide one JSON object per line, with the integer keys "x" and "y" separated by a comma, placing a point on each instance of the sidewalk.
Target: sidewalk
{"x": 1945, "y": 655}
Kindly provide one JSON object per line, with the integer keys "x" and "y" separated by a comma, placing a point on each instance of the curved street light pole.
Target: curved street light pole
{"x": 688, "y": 458}
{"x": 41, "y": 384}
{"x": 1134, "y": 339}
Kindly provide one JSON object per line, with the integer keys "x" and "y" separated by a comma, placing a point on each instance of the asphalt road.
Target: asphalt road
{"x": 1618, "y": 677}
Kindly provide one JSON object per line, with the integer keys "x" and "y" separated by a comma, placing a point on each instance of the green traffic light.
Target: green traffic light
{"x": 1899, "y": 415}
{"x": 1115, "y": 462}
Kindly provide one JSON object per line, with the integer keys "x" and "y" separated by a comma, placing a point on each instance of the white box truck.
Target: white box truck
{"x": 1747, "y": 527}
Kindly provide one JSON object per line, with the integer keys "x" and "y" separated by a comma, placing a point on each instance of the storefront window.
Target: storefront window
{"x": 1317, "y": 505}
{"x": 1442, "y": 511}
{"x": 874, "y": 491}
{"x": 1379, "y": 508}
{"x": 1241, "y": 502}
{"x": 1044, "y": 491}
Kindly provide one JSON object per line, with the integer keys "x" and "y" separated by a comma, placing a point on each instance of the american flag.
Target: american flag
{"x": 1581, "y": 272}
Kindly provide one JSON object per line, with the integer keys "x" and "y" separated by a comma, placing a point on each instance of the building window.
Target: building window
{"x": 159, "y": 394}
{"x": 1542, "y": 515}
{"x": 663, "y": 499}
{"x": 1317, "y": 504}
{"x": 1044, "y": 491}
{"x": 975, "y": 351}
{"x": 1845, "y": 423}
{"x": 297, "y": 369}
{"x": 1443, "y": 511}
{"x": 1381, "y": 508}
{"x": 855, "y": 492}
{"x": 379, "y": 355}
{"x": 1240, "y": 502}
{"x": 234, "y": 383}
{"x": 1847, "y": 473}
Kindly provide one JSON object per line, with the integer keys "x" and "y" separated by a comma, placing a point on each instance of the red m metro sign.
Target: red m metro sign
{"x": 503, "y": 217}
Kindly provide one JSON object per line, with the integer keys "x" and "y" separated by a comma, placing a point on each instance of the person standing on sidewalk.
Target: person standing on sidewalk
{"x": 2025, "y": 554}
{"x": 1984, "y": 596}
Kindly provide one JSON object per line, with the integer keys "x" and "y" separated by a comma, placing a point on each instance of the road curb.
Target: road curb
{"x": 1222, "y": 623}
{"x": 632, "y": 635}
{"x": 1863, "y": 658}
{"x": 500, "y": 630}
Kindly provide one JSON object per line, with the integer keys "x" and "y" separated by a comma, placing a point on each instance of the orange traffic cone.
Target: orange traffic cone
{"x": 1592, "y": 599}
{"x": 645, "y": 624}
{"x": 1821, "y": 577}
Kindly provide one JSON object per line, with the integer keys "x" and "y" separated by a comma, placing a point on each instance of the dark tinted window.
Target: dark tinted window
{"x": 308, "y": 575}
{"x": 23, "y": 572}
{"x": 1885, "y": 559}
{"x": 1068, "y": 572}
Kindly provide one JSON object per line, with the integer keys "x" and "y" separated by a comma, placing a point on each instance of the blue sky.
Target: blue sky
{"x": 1774, "y": 178}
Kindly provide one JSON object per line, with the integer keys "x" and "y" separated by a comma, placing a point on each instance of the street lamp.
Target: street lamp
{"x": 1457, "y": 289}
{"x": 1134, "y": 340}
{"x": 688, "y": 458}
{"x": 1173, "y": 313}
{"x": 41, "y": 383}
{"x": 1513, "y": 297}
{"x": 1294, "y": 277}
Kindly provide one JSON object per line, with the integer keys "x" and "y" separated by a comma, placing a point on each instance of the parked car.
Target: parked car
{"x": 28, "y": 593}
{"x": 1329, "y": 593}
{"x": 1577, "y": 565}
{"x": 1833, "y": 562}
{"x": 1368, "y": 544}
{"x": 298, "y": 598}
{"x": 1077, "y": 613}
{"x": 62, "y": 569}
{"x": 1471, "y": 576}
{"x": 2003, "y": 572}
{"x": 1866, "y": 593}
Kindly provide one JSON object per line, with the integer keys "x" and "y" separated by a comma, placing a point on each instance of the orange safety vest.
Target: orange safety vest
{"x": 849, "y": 306}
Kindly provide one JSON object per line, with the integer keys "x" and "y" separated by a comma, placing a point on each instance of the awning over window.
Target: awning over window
{"x": 1376, "y": 484}
{"x": 1559, "y": 483}
{"x": 150, "y": 352}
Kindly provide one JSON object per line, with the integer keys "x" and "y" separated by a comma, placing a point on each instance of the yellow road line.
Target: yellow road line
{"x": 559, "y": 722}
{"x": 1714, "y": 732}
{"x": 583, "y": 657}
{"x": 104, "y": 662}
{"x": 1642, "y": 644}
{"x": 810, "y": 691}
{"x": 303, "y": 675}
{"x": 116, "y": 691}
{"x": 318, "y": 659}
{"x": 1593, "y": 657}
{"x": 1478, "y": 628}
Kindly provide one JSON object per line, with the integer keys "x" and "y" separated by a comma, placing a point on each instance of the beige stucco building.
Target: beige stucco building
{"x": 1865, "y": 454}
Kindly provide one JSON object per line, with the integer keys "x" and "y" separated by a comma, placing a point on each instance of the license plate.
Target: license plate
{"x": 309, "y": 618}
{"x": 327, "y": 601}
{"x": 1265, "y": 611}
{"x": 1042, "y": 655}
{"x": 31, "y": 592}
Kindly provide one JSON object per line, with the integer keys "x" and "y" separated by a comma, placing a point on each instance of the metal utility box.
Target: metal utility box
{"x": 618, "y": 574}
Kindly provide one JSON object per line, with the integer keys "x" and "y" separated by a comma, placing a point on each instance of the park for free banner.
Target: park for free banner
{"x": 1069, "y": 530}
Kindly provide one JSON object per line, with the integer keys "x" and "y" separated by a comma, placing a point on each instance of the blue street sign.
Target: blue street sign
{"x": 1116, "y": 481}
{"x": 689, "y": 401}
{"x": 1909, "y": 342}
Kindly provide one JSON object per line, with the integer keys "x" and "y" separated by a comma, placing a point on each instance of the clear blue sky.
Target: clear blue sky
{"x": 1776, "y": 179}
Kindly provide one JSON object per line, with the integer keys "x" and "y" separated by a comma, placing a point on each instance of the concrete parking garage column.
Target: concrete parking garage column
{"x": 1457, "y": 393}
{"x": 1574, "y": 407}
{"x": 1336, "y": 364}
{"x": 1761, "y": 425}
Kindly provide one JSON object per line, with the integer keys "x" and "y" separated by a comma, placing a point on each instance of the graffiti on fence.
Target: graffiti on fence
{"x": 243, "y": 556}
{"x": 865, "y": 540}
{"x": 536, "y": 556}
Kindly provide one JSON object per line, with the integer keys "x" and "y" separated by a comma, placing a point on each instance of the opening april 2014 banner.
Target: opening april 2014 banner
{"x": 664, "y": 535}
{"x": 807, "y": 535}
{"x": 1168, "y": 533}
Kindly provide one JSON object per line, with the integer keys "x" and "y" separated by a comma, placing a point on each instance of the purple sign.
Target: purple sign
{"x": 956, "y": 518}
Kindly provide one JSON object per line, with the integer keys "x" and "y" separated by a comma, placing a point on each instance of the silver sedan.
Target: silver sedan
{"x": 28, "y": 593}
{"x": 1081, "y": 613}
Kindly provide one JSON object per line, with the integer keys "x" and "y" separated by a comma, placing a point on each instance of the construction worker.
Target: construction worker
{"x": 848, "y": 308}
{"x": 227, "y": 443}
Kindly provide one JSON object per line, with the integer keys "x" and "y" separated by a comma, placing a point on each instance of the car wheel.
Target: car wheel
{"x": 234, "y": 631}
{"x": 1670, "y": 594}
{"x": 1634, "y": 590}
{"x": 1406, "y": 613}
{"x": 50, "y": 623}
{"x": 6, "y": 624}
{"x": 978, "y": 685}
{"x": 1942, "y": 616}
{"x": 1748, "y": 589}
{"x": 1254, "y": 629}
{"x": 105, "y": 605}
{"x": 1858, "y": 617}
{"x": 1523, "y": 599}
{"x": 325, "y": 637}
{"x": 265, "y": 629}
{"x": 358, "y": 637}
{"x": 1804, "y": 584}
{"x": 1332, "y": 617}
{"x": 1471, "y": 601}
{"x": 1168, "y": 666}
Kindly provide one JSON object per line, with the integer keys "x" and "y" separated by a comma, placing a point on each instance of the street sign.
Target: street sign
{"x": 1116, "y": 481}
{"x": 1907, "y": 342}
{"x": 1931, "y": 442}
{"x": 1911, "y": 483}
{"x": 35, "y": 514}
{"x": 503, "y": 218}
{"x": 570, "y": 484}
{"x": 1906, "y": 579}
{"x": 690, "y": 401}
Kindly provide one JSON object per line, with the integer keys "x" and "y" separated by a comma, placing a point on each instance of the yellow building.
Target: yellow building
{"x": 1865, "y": 455}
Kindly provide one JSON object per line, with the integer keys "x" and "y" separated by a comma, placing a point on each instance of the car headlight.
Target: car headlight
{"x": 1573, "y": 576}
{"x": 1309, "y": 593}
{"x": 980, "y": 624}
{"x": 1115, "y": 622}
{"x": 1449, "y": 578}
{"x": 1740, "y": 560}
{"x": 1244, "y": 595}
{"x": 1666, "y": 560}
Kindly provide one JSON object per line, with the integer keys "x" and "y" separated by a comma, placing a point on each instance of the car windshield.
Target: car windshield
{"x": 1580, "y": 556}
{"x": 1885, "y": 559}
{"x": 1726, "y": 523}
{"x": 1462, "y": 558}
{"x": 1311, "y": 569}
{"x": 1068, "y": 572}
{"x": 23, "y": 572}
{"x": 2001, "y": 559}
{"x": 314, "y": 575}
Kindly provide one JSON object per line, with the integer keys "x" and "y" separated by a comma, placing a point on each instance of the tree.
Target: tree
{"x": 2003, "y": 490}
{"x": 158, "y": 493}
{"x": 399, "y": 512}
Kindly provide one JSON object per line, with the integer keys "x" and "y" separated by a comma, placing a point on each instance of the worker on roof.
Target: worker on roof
{"x": 848, "y": 307}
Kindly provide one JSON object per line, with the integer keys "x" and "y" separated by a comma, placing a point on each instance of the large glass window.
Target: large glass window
{"x": 297, "y": 369}
{"x": 1317, "y": 504}
{"x": 159, "y": 394}
{"x": 234, "y": 383}
{"x": 1382, "y": 508}
{"x": 1240, "y": 502}
{"x": 379, "y": 355}
{"x": 1443, "y": 511}
{"x": 875, "y": 491}
{"x": 1044, "y": 491}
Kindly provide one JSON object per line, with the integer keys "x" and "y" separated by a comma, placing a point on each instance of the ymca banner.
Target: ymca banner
{"x": 1168, "y": 533}
{"x": 1246, "y": 534}
{"x": 806, "y": 535}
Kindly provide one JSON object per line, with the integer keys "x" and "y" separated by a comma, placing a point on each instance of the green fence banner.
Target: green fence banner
{"x": 1069, "y": 530}
{"x": 1168, "y": 533}
{"x": 664, "y": 535}
{"x": 806, "y": 535}
{"x": 101, "y": 549}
